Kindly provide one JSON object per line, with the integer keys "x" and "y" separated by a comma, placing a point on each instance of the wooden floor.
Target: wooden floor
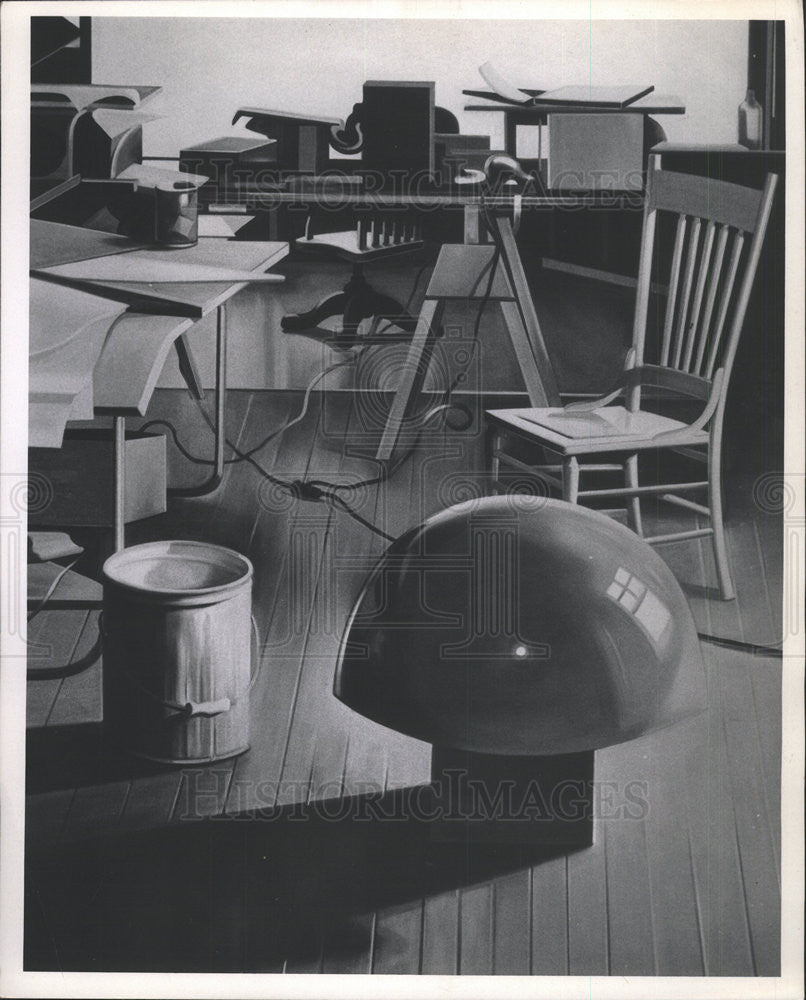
{"x": 123, "y": 874}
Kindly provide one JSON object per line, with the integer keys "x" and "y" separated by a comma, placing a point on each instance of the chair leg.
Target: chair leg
{"x": 634, "y": 505}
{"x": 570, "y": 479}
{"x": 723, "y": 573}
{"x": 492, "y": 444}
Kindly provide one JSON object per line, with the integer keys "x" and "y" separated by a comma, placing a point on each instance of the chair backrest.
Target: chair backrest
{"x": 718, "y": 239}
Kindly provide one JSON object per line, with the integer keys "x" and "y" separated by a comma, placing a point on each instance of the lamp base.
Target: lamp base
{"x": 541, "y": 801}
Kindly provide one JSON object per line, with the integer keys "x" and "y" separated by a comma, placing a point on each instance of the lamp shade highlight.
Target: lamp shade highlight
{"x": 521, "y": 625}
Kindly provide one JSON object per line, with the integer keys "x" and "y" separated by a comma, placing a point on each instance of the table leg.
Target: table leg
{"x": 212, "y": 484}
{"x": 511, "y": 134}
{"x": 120, "y": 483}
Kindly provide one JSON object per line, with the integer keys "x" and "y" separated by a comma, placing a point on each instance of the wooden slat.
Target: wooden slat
{"x": 80, "y": 696}
{"x": 716, "y": 273}
{"x": 715, "y": 854}
{"x": 688, "y": 278}
{"x": 476, "y": 931}
{"x": 702, "y": 277}
{"x": 587, "y": 912}
{"x": 512, "y": 924}
{"x": 769, "y": 546}
{"x": 550, "y": 918}
{"x": 203, "y": 791}
{"x": 752, "y": 592}
{"x": 398, "y": 930}
{"x": 724, "y": 303}
{"x": 672, "y": 763}
{"x": 54, "y": 636}
{"x": 95, "y": 807}
{"x": 629, "y": 904}
{"x": 320, "y": 722}
{"x": 674, "y": 278}
{"x": 730, "y": 204}
{"x": 151, "y": 801}
{"x": 440, "y": 934}
{"x": 755, "y": 831}
{"x": 257, "y": 774}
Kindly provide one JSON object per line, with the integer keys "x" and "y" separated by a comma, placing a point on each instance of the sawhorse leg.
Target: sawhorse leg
{"x": 456, "y": 276}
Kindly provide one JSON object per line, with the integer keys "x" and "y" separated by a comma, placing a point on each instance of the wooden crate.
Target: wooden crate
{"x": 81, "y": 477}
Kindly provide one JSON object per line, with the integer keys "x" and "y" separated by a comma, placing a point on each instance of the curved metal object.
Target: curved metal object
{"x": 348, "y": 137}
{"x": 521, "y": 625}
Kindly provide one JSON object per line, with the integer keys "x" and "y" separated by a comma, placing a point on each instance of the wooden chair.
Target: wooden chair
{"x": 718, "y": 239}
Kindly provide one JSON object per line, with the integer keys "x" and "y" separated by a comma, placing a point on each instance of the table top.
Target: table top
{"x": 651, "y": 104}
{"x": 329, "y": 196}
{"x": 54, "y": 244}
{"x": 112, "y": 366}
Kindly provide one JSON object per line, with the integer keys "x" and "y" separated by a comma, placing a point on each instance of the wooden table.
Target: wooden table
{"x": 537, "y": 114}
{"x": 159, "y": 315}
{"x": 487, "y": 215}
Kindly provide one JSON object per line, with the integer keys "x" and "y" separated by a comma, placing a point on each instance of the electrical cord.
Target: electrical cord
{"x": 298, "y": 488}
{"x": 52, "y": 588}
{"x": 262, "y": 444}
{"x": 738, "y": 644}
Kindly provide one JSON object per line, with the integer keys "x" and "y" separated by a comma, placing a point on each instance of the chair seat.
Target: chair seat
{"x": 344, "y": 246}
{"x": 610, "y": 428}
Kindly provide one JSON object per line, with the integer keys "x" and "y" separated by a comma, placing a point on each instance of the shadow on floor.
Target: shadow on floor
{"x": 244, "y": 894}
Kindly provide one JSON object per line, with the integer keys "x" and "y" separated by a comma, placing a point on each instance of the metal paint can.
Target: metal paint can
{"x": 176, "y": 214}
{"x": 177, "y": 651}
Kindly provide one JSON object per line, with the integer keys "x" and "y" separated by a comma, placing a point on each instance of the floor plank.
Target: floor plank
{"x": 588, "y": 943}
{"x": 151, "y": 801}
{"x": 755, "y": 833}
{"x": 550, "y": 918}
{"x": 257, "y": 773}
{"x": 672, "y": 764}
{"x": 715, "y": 853}
{"x": 80, "y": 697}
{"x": 56, "y": 635}
{"x": 629, "y": 906}
{"x": 94, "y": 807}
{"x": 397, "y": 940}
{"x": 512, "y": 924}
{"x": 476, "y": 931}
{"x": 441, "y": 934}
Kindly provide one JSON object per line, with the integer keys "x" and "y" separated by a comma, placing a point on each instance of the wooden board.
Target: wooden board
{"x": 583, "y": 96}
{"x": 186, "y": 292}
{"x": 55, "y": 243}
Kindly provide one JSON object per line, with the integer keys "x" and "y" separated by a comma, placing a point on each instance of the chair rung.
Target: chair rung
{"x": 637, "y": 491}
{"x": 516, "y": 463}
{"x": 698, "y": 456}
{"x": 680, "y": 536}
{"x": 698, "y": 508}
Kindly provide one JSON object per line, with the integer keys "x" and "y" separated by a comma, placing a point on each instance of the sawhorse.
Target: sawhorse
{"x": 461, "y": 272}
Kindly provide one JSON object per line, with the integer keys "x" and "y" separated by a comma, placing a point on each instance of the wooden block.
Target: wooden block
{"x": 595, "y": 152}
{"x": 81, "y": 474}
{"x": 397, "y": 118}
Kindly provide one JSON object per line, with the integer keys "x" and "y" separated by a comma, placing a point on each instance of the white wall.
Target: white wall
{"x": 209, "y": 67}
